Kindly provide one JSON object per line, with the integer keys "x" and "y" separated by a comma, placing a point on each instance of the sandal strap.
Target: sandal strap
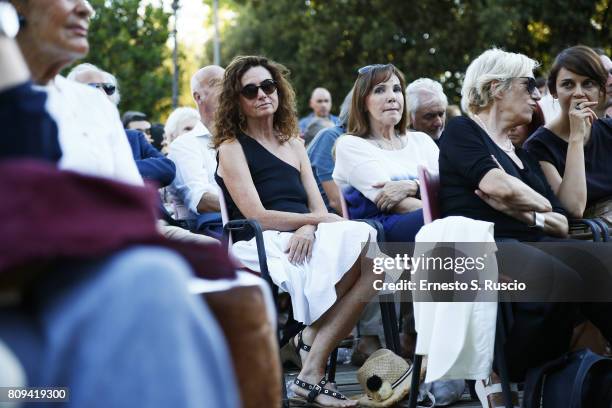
{"x": 332, "y": 393}
{"x": 301, "y": 344}
{"x": 315, "y": 389}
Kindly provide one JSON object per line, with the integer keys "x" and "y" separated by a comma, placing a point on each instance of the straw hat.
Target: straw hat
{"x": 385, "y": 377}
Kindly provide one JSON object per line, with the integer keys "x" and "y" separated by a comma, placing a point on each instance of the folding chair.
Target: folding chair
{"x": 387, "y": 302}
{"x": 430, "y": 190}
{"x": 235, "y": 225}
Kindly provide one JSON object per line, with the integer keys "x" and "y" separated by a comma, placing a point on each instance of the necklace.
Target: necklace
{"x": 509, "y": 148}
{"x": 388, "y": 142}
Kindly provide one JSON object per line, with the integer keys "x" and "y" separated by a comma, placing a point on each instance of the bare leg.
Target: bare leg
{"x": 342, "y": 288}
{"x": 332, "y": 327}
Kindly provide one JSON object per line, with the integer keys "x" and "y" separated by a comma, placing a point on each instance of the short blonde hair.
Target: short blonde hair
{"x": 492, "y": 65}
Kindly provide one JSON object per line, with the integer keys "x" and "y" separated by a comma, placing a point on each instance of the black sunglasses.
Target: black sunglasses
{"x": 368, "y": 68}
{"x": 108, "y": 88}
{"x": 250, "y": 91}
{"x": 531, "y": 84}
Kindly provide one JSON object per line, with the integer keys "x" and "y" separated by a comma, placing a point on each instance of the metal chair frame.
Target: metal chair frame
{"x": 387, "y": 307}
{"x": 386, "y": 302}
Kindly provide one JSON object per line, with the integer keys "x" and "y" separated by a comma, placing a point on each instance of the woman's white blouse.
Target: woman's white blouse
{"x": 360, "y": 164}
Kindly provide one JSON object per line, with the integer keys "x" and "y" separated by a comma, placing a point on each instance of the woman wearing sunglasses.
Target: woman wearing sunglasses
{"x": 574, "y": 149}
{"x": 376, "y": 162}
{"x": 484, "y": 177}
{"x": 265, "y": 174}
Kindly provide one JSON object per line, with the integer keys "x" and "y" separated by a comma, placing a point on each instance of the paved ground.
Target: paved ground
{"x": 347, "y": 382}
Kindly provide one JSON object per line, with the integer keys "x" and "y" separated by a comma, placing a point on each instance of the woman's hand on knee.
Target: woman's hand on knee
{"x": 300, "y": 245}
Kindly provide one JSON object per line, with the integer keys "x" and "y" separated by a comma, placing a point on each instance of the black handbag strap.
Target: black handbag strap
{"x": 533, "y": 382}
{"x": 589, "y": 359}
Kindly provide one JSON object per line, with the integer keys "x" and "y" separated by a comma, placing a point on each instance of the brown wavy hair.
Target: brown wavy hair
{"x": 358, "y": 121}
{"x": 229, "y": 120}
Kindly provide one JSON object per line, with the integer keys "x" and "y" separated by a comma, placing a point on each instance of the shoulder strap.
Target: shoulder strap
{"x": 533, "y": 381}
{"x": 589, "y": 359}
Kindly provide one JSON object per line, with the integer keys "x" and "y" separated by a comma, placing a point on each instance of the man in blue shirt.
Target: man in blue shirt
{"x": 322, "y": 160}
{"x": 152, "y": 165}
{"x": 320, "y": 103}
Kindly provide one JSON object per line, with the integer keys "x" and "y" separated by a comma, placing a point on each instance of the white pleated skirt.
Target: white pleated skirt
{"x": 312, "y": 284}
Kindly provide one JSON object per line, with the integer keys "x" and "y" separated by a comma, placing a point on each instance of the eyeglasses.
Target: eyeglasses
{"x": 107, "y": 87}
{"x": 531, "y": 84}
{"x": 251, "y": 91}
{"x": 368, "y": 68}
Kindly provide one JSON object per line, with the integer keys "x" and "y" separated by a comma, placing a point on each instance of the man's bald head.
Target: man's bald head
{"x": 321, "y": 102}
{"x": 205, "y": 88}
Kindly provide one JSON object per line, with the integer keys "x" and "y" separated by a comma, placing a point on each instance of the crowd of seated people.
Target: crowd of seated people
{"x": 501, "y": 163}
{"x": 484, "y": 177}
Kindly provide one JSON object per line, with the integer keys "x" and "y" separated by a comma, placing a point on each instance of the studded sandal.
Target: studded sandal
{"x": 291, "y": 352}
{"x": 314, "y": 391}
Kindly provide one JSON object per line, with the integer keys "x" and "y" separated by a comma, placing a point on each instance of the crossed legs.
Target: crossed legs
{"x": 353, "y": 291}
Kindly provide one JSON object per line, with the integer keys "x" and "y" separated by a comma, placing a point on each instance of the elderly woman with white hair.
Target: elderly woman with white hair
{"x": 180, "y": 121}
{"x": 484, "y": 177}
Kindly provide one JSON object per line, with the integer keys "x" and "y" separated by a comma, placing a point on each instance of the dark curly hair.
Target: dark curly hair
{"x": 229, "y": 120}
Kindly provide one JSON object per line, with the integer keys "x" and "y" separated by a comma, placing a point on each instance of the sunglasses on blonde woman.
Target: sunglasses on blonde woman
{"x": 250, "y": 91}
{"x": 531, "y": 84}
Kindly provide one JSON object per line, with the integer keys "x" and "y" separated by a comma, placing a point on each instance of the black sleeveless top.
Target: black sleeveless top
{"x": 547, "y": 146}
{"x": 278, "y": 184}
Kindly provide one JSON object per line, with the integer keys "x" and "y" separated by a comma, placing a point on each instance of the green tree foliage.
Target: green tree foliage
{"x": 128, "y": 39}
{"x": 324, "y": 42}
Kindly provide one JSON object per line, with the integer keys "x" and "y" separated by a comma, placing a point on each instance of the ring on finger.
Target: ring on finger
{"x": 578, "y": 106}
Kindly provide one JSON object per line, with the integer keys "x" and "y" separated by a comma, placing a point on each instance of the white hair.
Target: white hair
{"x": 492, "y": 65}
{"x": 416, "y": 89}
{"x": 176, "y": 120}
{"x": 108, "y": 77}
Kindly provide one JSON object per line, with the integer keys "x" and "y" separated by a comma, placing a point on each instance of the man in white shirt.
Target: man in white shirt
{"x": 195, "y": 160}
{"x": 93, "y": 143}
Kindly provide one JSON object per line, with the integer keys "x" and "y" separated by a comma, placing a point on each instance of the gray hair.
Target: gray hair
{"x": 416, "y": 89}
{"x": 492, "y": 65}
{"x": 108, "y": 77}
{"x": 175, "y": 120}
{"x": 345, "y": 108}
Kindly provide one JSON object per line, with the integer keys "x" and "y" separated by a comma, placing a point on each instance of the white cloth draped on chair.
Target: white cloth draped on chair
{"x": 457, "y": 337}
